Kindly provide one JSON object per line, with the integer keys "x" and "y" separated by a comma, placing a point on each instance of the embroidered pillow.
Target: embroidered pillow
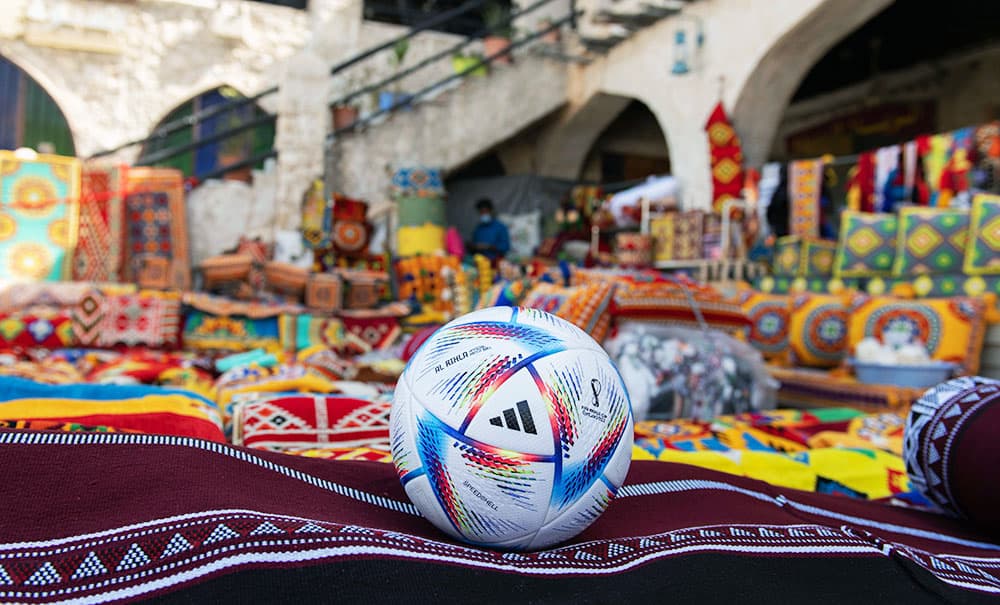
{"x": 37, "y": 328}
{"x": 930, "y": 240}
{"x": 818, "y": 257}
{"x": 786, "y": 256}
{"x": 106, "y": 318}
{"x": 982, "y": 255}
{"x": 769, "y": 316}
{"x": 207, "y": 331}
{"x": 952, "y": 329}
{"x": 588, "y": 307}
{"x": 818, "y": 330}
{"x": 298, "y": 332}
{"x": 867, "y": 244}
{"x": 279, "y": 421}
{"x": 665, "y": 301}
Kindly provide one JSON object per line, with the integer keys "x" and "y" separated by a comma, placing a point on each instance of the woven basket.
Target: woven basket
{"x": 154, "y": 273}
{"x": 286, "y": 278}
{"x": 226, "y": 268}
{"x": 324, "y": 292}
{"x": 364, "y": 289}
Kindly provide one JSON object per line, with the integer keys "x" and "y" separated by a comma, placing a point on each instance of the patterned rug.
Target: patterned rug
{"x": 157, "y": 224}
{"x": 98, "y": 255}
{"x": 257, "y": 526}
{"x": 38, "y": 216}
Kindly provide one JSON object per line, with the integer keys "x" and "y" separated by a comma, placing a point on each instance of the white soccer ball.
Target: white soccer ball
{"x": 511, "y": 428}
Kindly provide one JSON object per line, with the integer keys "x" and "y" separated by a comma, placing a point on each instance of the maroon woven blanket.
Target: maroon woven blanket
{"x": 87, "y": 517}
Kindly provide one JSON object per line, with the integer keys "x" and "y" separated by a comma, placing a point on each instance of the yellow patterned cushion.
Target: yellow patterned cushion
{"x": 769, "y": 316}
{"x": 818, "y": 330}
{"x": 951, "y": 328}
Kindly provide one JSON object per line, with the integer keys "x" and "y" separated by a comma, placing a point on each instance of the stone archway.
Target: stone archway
{"x": 769, "y": 87}
{"x": 29, "y": 114}
{"x": 211, "y": 156}
{"x": 564, "y": 148}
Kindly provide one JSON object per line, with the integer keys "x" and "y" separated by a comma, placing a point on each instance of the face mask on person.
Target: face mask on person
{"x": 485, "y": 218}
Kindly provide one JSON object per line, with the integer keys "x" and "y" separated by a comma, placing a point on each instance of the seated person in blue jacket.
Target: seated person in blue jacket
{"x": 490, "y": 238}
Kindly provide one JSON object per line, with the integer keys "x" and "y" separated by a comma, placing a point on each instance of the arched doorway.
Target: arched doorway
{"x": 29, "y": 117}
{"x": 206, "y": 159}
{"x": 631, "y": 147}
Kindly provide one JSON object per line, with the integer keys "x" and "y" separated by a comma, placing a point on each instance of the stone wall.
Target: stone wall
{"x": 117, "y": 69}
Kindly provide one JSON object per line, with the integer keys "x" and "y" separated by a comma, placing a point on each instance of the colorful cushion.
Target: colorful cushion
{"x": 952, "y": 329}
{"x": 818, "y": 257}
{"x": 930, "y": 240}
{"x": 950, "y": 448}
{"x": 982, "y": 255}
{"x": 786, "y": 256}
{"x": 818, "y": 330}
{"x": 106, "y": 318}
{"x": 281, "y": 421}
{"x": 38, "y": 328}
{"x": 769, "y": 316}
{"x": 298, "y": 332}
{"x": 665, "y": 301}
{"x": 585, "y": 306}
{"x": 207, "y": 331}
{"x": 867, "y": 244}
{"x": 370, "y": 332}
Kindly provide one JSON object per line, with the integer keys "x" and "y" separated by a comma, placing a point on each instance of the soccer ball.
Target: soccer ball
{"x": 511, "y": 428}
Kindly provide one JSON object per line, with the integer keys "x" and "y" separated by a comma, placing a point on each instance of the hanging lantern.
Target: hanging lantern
{"x": 685, "y": 58}
{"x": 681, "y": 54}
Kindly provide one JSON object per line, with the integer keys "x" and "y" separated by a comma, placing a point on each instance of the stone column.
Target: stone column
{"x": 303, "y": 112}
{"x": 303, "y": 121}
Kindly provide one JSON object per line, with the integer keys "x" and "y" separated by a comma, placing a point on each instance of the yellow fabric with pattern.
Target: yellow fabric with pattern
{"x": 818, "y": 330}
{"x": 952, "y": 329}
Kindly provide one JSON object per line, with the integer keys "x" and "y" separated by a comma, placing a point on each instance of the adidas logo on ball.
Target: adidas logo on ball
{"x": 510, "y": 416}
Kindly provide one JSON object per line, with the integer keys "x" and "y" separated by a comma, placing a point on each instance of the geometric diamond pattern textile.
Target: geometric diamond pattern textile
{"x": 805, "y": 179}
{"x": 930, "y": 241}
{"x": 818, "y": 257}
{"x": 725, "y": 157}
{"x": 787, "y": 254}
{"x": 278, "y": 421}
{"x": 867, "y": 244}
{"x": 982, "y": 255}
{"x": 99, "y": 248}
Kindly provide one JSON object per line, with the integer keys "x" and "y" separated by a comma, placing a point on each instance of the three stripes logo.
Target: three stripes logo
{"x": 510, "y": 417}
